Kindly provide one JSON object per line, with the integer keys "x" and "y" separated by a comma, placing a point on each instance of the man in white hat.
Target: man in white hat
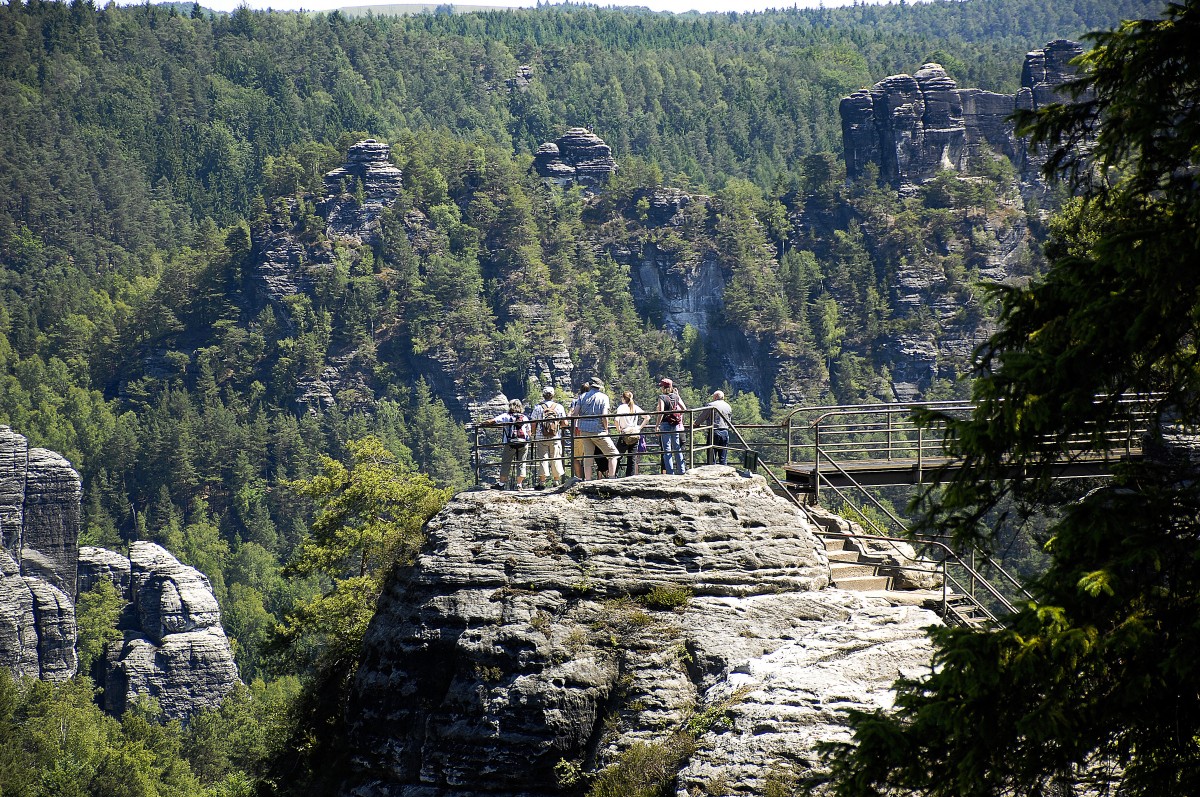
{"x": 593, "y": 409}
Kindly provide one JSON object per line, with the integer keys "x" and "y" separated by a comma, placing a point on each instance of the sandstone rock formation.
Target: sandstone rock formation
{"x": 356, "y": 194}
{"x": 174, "y": 649}
{"x": 39, "y": 532}
{"x": 913, "y": 127}
{"x": 1045, "y": 73}
{"x": 96, "y": 564}
{"x": 39, "y": 510}
{"x": 577, "y": 157}
{"x": 555, "y": 630}
{"x": 368, "y": 172}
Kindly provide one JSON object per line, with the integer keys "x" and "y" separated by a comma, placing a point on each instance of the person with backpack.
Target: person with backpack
{"x": 548, "y": 418}
{"x": 670, "y": 427}
{"x": 515, "y": 430}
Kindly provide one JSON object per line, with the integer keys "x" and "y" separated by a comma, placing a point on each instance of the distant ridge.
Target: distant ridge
{"x": 403, "y": 9}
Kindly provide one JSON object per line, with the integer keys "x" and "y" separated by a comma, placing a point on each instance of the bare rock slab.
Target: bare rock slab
{"x": 543, "y": 632}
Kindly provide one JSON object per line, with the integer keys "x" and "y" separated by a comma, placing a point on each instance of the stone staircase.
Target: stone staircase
{"x": 851, "y": 570}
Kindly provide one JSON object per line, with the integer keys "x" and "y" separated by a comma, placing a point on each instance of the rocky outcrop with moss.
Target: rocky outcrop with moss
{"x": 650, "y": 627}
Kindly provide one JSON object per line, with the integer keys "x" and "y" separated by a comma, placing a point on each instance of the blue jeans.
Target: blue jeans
{"x": 672, "y": 450}
{"x": 719, "y": 453}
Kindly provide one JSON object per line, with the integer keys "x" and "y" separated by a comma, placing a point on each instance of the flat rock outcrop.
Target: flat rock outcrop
{"x": 39, "y": 533}
{"x": 550, "y": 633}
{"x": 174, "y": 649}
{"x": 577, "y": 157}
{"x": 913, "y": 127}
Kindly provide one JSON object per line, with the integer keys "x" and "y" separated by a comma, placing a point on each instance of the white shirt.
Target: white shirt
{"x": 628, "y": 420}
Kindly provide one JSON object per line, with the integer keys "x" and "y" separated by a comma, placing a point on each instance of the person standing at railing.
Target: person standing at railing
{"x": 593, "y": 408}
{"x": 670, "y": 428}
{"x": 716, "y": 416}
{"x": 576, "y": 438}
{"x": 630, "y": 420}
{"x": 515, "y": 429}
{"x": 548, "y": 418}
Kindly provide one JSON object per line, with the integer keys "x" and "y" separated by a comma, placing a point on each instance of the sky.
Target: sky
{"x": 674, "y": 6}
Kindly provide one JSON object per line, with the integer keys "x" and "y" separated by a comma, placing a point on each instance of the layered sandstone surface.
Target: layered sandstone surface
{"x": 539, "y": 635}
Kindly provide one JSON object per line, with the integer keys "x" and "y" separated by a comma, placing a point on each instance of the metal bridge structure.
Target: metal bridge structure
{"x": 843, "y": 454}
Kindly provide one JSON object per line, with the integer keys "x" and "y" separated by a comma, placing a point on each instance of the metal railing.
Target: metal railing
{"x": 488, "y": 443}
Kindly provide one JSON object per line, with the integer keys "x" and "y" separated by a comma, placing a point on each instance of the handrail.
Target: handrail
{"x": 650, "y": 430}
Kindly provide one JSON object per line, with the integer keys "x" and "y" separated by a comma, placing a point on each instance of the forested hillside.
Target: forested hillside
{"x": 146, "y": 155}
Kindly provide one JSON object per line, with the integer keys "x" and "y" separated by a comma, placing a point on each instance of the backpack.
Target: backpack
{"x": 517, "y": 436}
{"x": 550, "y": 423}
{"x": 674, "y": 417}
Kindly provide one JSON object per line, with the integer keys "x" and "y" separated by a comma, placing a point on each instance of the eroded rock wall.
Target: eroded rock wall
{"x": 174, "y": 648}
{"x": 39, "y": 533}
{"x": 517, "y": 641}
{"x": 912, "y": 127}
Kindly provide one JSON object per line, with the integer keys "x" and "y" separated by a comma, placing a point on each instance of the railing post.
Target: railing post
{"x": 691, "y": 437}
{"x": 920, "y": 454}
{"x": 817, "y": 464}
{"x": 477, "y": 455}
{"x": 790, "y": 458}
{"x": 889, "y": 435}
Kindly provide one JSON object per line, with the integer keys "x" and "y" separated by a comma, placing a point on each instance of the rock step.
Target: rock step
{"x": 864, "y": 583}
{"x": 834, "y": 543}
{"x": 840, "y": 571}
{"x": 842, "y": 556}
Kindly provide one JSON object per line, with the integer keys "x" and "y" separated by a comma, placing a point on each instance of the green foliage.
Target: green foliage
{"x": 96, "y": 615}
{"x": 1091, "y": 685}
{"x": 666, "y": 596}
{"x": 370, "y": 517}
{"x": 644, "y": 769}
{"x": 56, "y": 741}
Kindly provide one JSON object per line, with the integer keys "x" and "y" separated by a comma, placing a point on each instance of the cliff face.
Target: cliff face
{"x": 174, "y": 649}
{"x": 913, "y": 127}
{"x": 550, "y": 634}
{"x": 39, "y": 532}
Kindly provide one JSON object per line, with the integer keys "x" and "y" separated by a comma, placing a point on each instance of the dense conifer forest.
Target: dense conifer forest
{"x": 141, "y": 147}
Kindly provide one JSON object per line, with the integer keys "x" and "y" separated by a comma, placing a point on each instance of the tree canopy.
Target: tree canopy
{"x": 1092, "y": 684}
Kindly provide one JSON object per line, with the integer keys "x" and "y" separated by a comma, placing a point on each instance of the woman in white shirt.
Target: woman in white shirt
{"x": 630, "y": 418}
